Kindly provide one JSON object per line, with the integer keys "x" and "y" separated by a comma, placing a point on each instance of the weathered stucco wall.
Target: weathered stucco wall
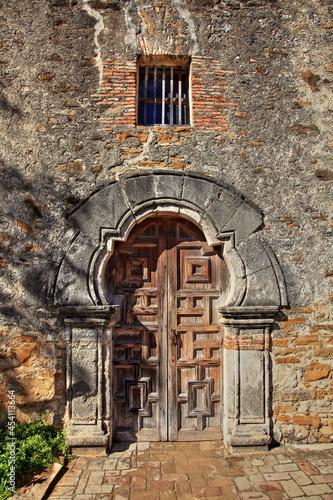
{"x": 68, "y": 129}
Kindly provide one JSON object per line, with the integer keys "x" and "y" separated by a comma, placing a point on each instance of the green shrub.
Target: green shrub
{"x": 37, "y": 446}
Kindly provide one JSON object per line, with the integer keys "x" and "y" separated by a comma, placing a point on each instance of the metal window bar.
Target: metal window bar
{"x": 155, "y": 93}
{"x": 145, "y": 115}
{"x": 171, "y": 95}
{"x": 157, "y": 77}
{"x": 179, "y": 97}
{"x": 163, "y": 95}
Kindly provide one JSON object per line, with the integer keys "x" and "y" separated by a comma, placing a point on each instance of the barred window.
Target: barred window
{"x": 163, "y": 92}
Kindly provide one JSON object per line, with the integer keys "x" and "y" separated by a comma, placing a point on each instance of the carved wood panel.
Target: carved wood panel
{"x": 197, "y": 379}
{"x": 167, "y": 380}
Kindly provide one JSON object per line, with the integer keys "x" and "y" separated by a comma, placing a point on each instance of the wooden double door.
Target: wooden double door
{"x": 167, "y": 364}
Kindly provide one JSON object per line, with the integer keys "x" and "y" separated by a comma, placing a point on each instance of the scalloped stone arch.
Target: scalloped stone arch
{"x": 223, "y": 216}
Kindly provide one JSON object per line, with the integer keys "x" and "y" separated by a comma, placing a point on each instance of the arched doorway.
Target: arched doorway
{"x": 167, "y": 359}
{"x": 174, "y": 397}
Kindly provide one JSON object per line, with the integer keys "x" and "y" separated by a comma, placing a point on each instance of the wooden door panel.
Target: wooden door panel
{"x": 167, "y": 382}
{"x": 135, "y": 398}
{"x": 199, "y": 402}
{"x": 196, "y": 270}
{"x": 199, "y": 383}
{"x": 198, "y": 366}
{"x": 136, "y": 385}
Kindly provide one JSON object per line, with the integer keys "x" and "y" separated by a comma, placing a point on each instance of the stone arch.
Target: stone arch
{"x": 223, "y": 216}
{"x": 257, "y": 292}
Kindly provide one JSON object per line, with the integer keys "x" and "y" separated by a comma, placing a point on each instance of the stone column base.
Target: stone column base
{"x": 88, "y": 387}
{"x": 247, "y": 376}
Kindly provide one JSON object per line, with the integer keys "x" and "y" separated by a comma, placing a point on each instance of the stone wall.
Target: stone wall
{"x": 65, "y": 136}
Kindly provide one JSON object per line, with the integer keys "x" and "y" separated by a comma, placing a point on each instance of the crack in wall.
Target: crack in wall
{"x": 98, "y": 28}
{"x": 251, "y": 273}
{"x": 144, "y": 153}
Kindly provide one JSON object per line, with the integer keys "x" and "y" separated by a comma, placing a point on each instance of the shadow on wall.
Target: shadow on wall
{"x": 29, "y": 233}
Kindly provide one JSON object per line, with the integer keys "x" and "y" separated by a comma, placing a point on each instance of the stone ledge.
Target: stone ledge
{"x": 88, "y": 441}
{"x": 89, "y": 451}
{"x": 87, "y": 311}
{"x": 311, "y": 447}
{"x": 40, "y": 490}
{"x": 93, "y": 316}
{"x": 241, "y": 440}
{"x": 249, "y": 312}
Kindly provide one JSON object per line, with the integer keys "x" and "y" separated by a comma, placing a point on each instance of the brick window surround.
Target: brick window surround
{"x": 163, "y": 90}
{"x": 207, "y": 99}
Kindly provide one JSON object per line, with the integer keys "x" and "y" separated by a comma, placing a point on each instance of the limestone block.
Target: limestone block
{"x": 112, "y": 201}
{"x": 230, "y": 377}
{"x": 200, "y": 191}
{"x": 84, "y": 381}
{"x": 238, "y": 278}
{"x": 71, "y": 286}
{"x": 104, "y": 209}
{"x": 253, "y": 254}
{"x": 251, "y": 374}
{"x": 250, "y": 436}
{"x": 244, "y": 222}
{"x": 169, "y": 186}
{"x": 262, "y": 289}
{"x": 262, "y": 286}
{"x": 222, "y": 207}
{"x": 89, "y": 218}
{"x": 138, "y": 189}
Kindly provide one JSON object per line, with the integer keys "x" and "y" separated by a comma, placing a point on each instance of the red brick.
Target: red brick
{"x": 160, "y": 485}
{"x": 309, "y": 469}
{"x": 293, "y": 321}
{"x": 287, "y": 359}
{"x": 175, "y": 477}
{"x": 138, "y": 483}
{"x": 310, "y": 420}
{"x": 207, "y": 491}
{"x": 268, "y": 486}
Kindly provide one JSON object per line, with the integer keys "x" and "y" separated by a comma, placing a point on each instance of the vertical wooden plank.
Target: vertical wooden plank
{"x": 109, "y": 374}
{"x": 163, "y": 330}
{"x": 173, "y": 382}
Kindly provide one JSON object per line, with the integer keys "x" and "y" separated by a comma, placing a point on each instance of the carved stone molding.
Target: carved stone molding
{"x": 87, "y": 337}
{"x": 247, "y": 375}
{"x": 223, "y": 216}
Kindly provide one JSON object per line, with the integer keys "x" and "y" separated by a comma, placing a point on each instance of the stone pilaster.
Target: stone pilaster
{"x": 88, "y": 339}
{"x": 247, "y": 375}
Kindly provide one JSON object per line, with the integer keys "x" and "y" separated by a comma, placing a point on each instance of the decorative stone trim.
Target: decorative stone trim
{"x": 256, "y": 293}
{"x": 247, "y": 375}
{"x": 88, "y": 338}
{"x": 224, "y": 217}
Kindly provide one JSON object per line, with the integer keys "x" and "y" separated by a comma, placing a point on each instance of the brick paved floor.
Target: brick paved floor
{"x": 202, "y": 471}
